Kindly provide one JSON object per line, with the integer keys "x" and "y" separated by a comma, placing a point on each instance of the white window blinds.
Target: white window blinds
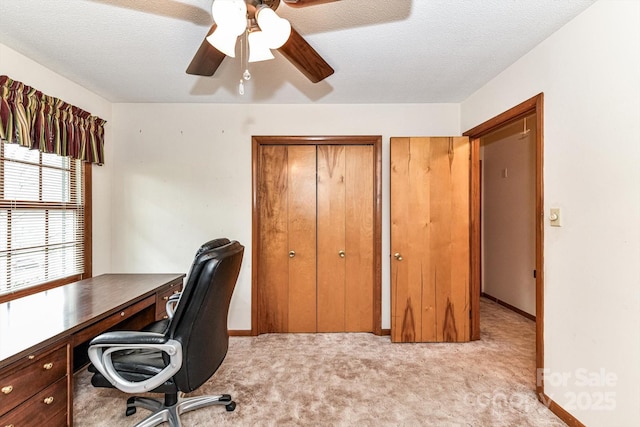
{"x": 41, "y": 217}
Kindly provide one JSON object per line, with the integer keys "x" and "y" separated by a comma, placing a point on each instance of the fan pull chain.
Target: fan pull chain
{"x": 244, "y": 60}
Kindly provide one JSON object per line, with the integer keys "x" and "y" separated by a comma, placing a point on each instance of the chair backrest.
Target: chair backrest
{"x": 200, "y": 320}
{"x": 198, "y": 263}
{"x": 211, "y": 244}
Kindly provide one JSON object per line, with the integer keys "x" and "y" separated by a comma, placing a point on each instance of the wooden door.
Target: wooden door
{"x": 287, "y": 268}
{"x": 359, "y": 238}
{"x": 345, "y": 238}
{"x": 430, "y": 239}
{"x": 317, "y": 238}
{"x": 331, "y": 238}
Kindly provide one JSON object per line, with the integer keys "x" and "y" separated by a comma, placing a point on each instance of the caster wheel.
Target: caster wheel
{"x": 231, "y": 406}
{"x": 225, "y": 398}
{"x": 131, "y": 408}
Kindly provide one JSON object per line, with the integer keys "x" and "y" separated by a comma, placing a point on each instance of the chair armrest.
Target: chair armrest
{"x": 102, "y": 347}
{"x": 129, "y": 337}
{"x": 172, "y": 302}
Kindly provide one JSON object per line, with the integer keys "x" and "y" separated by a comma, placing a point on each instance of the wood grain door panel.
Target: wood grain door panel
{"x": 274, "y": 241}
{"x": 359, "y": 239}
{"x": 331, "y": 238}
{"x": 430, "y": 235}
{"x": 301, "y": 220}
{"x": 287, "y": 223}
{"x": 413, "y": 309}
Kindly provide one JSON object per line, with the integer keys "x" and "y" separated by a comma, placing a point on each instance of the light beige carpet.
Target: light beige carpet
{"x": 361, "y": 380}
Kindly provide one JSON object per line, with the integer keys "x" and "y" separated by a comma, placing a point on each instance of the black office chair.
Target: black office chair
{"x": 186, "y": 355}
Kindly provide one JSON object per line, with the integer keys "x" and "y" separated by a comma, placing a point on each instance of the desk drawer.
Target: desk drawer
{"x": 45, "y": 369}
{"x": 108, "y": 322}
{"x": 47, "y": 408}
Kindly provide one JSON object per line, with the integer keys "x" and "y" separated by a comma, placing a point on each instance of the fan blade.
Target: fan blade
{"x": 305, "y": 3}
{"x": 207, "y": 59}
{"x": 305, "y": 58}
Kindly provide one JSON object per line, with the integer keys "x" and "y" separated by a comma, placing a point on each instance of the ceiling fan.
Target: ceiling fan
{"x": 296, "y": 49}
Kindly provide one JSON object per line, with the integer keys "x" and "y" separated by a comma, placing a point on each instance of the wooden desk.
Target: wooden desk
{"x": 38, "y": 334}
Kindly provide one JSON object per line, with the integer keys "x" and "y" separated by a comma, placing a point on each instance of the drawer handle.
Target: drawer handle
{"x": 176, "y": 292}
{"x": 165, "y": 317}
{"x": 165, "y": 298}
{"x": 7, "y": 389}
{"x": 47, "y": 366}
{"x": 48, "y": 400}
{"x": 9, "y": 425}
{"x": 122, "y": 314}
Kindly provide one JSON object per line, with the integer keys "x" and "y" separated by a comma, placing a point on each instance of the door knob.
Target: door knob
{"x": 292, "y": 254}
{"x": 398, "y": 256}
{"x": 341, "y": 253}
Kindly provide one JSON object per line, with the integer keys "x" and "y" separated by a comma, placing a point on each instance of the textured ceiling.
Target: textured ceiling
{"x": 383, "y": 51}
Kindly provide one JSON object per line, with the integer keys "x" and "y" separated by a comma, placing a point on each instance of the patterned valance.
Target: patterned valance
{"x": 41, "y": 122}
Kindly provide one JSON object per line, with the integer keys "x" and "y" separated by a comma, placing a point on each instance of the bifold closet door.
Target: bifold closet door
{"x": 430, "y": 265}
{"x": 345, "y": 238}
{"x": 287, "y": 270}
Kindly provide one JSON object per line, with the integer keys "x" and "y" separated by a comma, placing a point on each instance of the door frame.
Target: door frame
{"x": 376, "y": 142}
{"x": 531, "y": 105}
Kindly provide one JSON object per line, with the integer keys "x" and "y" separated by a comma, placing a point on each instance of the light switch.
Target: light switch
{"x": 554, "y": 217}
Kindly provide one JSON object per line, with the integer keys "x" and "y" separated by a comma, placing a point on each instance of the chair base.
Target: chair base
{"x": 161, "y": 412}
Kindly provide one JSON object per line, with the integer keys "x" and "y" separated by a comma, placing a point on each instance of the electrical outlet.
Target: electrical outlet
{"x": 554, "y": 217}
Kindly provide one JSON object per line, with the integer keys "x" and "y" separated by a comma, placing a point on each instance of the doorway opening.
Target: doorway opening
{"x": 532, "y": 107}
{"x": 508, "y": 220}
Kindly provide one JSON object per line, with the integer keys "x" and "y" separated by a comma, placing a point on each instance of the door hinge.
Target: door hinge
{"x": 535, "y": 274}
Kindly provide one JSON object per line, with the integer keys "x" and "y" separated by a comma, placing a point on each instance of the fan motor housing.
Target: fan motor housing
{"x": 253, "y": 4}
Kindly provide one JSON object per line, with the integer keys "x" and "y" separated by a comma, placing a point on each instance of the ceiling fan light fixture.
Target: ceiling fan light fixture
{"x": 230, "y": 15}
{"x": 232, "y": 18}
{"x": 231, "y": 21}
{"x": 224, "y": 41}
{"x": 276, "y": 29}
{"x": 258, "y": 47}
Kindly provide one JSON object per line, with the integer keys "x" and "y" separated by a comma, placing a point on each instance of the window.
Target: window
{"x": 43, "y": 217}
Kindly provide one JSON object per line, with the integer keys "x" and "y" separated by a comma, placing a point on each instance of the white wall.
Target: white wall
{"x": 589, "y": 72}
{"x": 23, "y": 69}
{"x": 182, "y": 175}
{"x": 508, "y": 217}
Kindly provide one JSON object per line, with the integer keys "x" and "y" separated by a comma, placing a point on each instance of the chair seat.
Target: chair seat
{"x": 136, "y": 366}
{"x": 129, "y": 362}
